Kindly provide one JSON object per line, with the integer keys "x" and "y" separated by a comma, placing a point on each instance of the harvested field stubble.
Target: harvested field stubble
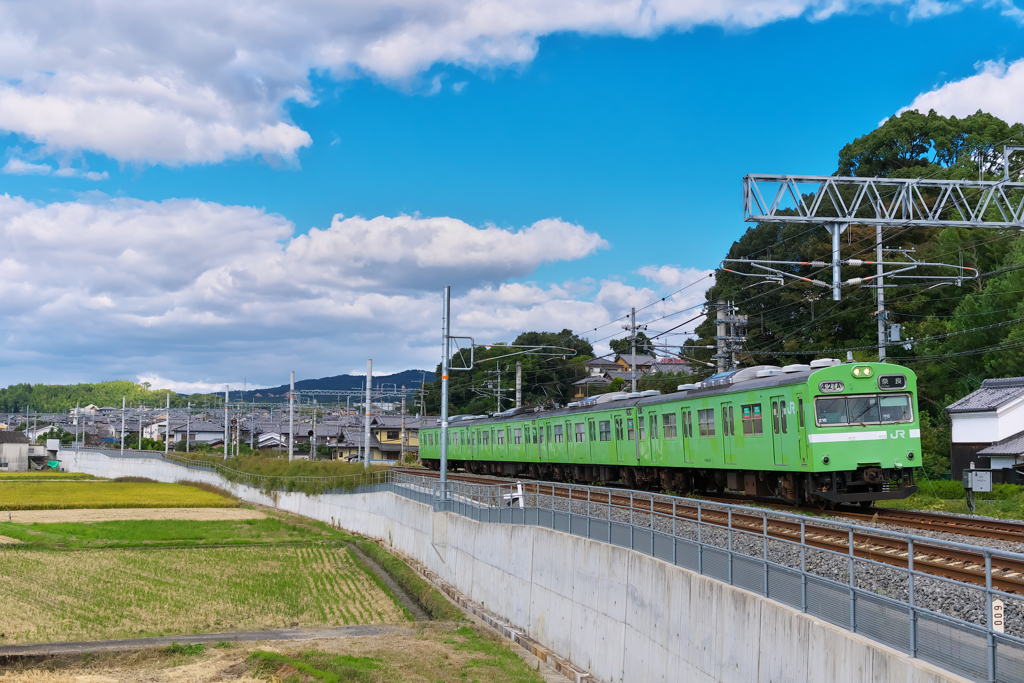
{"x": 67, "y": 495}
{"x": 53, "y": 596}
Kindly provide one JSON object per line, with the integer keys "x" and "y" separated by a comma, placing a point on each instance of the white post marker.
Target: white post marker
{"x": 366, "y": 436}
{"x": 998, "y": 616}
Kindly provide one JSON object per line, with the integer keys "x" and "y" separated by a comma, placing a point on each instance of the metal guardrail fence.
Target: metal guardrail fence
{"x": 900, "y": 607}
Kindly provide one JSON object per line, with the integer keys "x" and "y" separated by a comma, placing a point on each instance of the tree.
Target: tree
{"x": 623, "y": 346}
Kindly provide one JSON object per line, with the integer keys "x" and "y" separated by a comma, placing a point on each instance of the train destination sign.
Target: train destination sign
{"x": 833, "y": 387}
{"x": 892, "y": 382}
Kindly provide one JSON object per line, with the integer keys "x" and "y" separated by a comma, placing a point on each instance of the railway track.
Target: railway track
{"x": 959, "y": 565}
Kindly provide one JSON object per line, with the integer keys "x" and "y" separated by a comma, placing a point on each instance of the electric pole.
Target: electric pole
{"x": 167, "y": 427}
{"x": 445, "y": 332}
{"x": 291, "y": 419}
{"x": 366, "y": 422}
{"x": 403, "y": 424}
{"x": 519, "y": 383}
{"x": 226, "y": 425}
{"x": 123, "y": 403}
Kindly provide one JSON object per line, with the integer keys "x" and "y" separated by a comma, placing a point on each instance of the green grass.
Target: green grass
{"x": 176, "y": 648}
{"x": 459, "y": 655}
{"x": 322, "y": 666}
{"x": 157, "y": 533}
{"x": 76, "y": 495}
{"x": 1005, "y": 502}
{"x": 430, "y": 599}
{"x": 43, "y": 476}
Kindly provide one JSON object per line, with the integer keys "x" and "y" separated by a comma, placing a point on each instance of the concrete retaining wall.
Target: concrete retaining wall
{"x": 620, "y": 615}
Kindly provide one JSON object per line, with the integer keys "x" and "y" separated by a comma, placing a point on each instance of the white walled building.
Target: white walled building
{"x": 988, "y": 429}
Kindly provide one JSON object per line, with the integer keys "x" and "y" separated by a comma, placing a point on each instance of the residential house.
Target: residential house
{"x": 14, "y": 448}
{"x": 988, "y": 430}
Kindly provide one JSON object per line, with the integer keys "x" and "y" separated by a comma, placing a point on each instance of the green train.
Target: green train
{"x": 821, "y": 434}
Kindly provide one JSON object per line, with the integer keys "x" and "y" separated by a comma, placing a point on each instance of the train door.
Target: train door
{"x": 801, "y": 430}
{"x": 686, "y": 434}
{"x": 617, "y": 444}
{"x": 592, "y": 434}
{"x": 728, "y": 433}
{"x": 643, "y": 440}
{"x": 779, "y": 428}
{"x": 544, "y": 436}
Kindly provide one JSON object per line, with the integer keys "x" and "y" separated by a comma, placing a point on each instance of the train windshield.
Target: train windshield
{"x": 862, "y": 410}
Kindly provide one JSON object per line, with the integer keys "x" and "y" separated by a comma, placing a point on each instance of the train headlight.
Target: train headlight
{"x": 862, "y": 372}
{"x": 910, "y": 455}
{"x": 825, "y": 460}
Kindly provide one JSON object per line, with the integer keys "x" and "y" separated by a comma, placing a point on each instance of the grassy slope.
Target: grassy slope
{"x": 1005, "y": 502}
{"x": 433, "y": 603}
{"x": 42, "y": 475}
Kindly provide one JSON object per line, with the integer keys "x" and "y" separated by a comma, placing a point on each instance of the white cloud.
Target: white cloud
{"x": 19, "y": 167}
{"x": 997, "y": 89}
{"x": 457, "y": 87}
{"x": 200, "y": 387}
{"x": 68, "y": 172}
{"x": 198, "y": 82}
{"x": 201, "y": 292}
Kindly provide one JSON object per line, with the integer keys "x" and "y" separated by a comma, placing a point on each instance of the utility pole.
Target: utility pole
{"x": 632, "y": 350}
{"x": 519, "y": 383}
{"x": 140, "y": 430}
{"x": 77, "y": 418}
{"x": 188, "y": 429}
{"x": 366, "y": 420}
{"x": 123, "y": 403}
{"x": 226, "y": 423}
{"x": 720, "y": 337}
{"x": 291, "y": 419}
{"x": 445, "y": 331}
{"x": 881, "y": 295}
{"x": 252, "y": 423}
{"x": 167, "y": 427}
{"x": 403, "y": 425}
{"x": 312, "y": 439}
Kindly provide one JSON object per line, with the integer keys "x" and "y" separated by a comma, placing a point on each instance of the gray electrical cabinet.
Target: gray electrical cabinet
{"x": 979, "y": 481}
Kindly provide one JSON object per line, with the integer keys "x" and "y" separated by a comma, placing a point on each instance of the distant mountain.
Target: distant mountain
{"x": 409, "y": 378}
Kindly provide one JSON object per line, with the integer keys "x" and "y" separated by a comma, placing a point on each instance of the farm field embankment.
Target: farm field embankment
{"x": 430, "y": 652}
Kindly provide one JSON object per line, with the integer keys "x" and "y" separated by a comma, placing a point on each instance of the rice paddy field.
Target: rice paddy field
{"x": 63, "y": 595}
{"x": 98, "y": 494}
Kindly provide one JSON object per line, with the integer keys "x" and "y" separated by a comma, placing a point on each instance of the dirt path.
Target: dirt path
{"x": 116, "y": 515}
{"x": 143, "y": 643}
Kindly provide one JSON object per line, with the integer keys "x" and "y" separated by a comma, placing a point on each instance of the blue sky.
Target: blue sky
{"x": 637, "y": 145}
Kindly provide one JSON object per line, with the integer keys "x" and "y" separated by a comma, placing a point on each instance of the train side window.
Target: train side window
{"x": 518, "y": 434}
{"x": 558, "y": 433}
{"x": 501, "y": 437}
{"x": 541, "y": 431}
{"x": 593, "y": 434}
{"x": 630, "y": 432}
{"x": 606, "y": 430}
{"x": 752, "y": 419}
{"x": 535, "y": 435}
{"x": 484, "y": 440}
{"x": 775, "y": 416}
{"x": 800, "y": 411}
{"x": 782, "y": 412}
{"x": 549, "y": 433}
{"x": 640, "y": 426}
{"x": 730, "y": 424}
{"x": 706, "y": 422}
{"x": 581, "y": 432}
{"x": 668, "y": 425}
{"x": 654, "y": 427}
{"x": 618, "y": 429}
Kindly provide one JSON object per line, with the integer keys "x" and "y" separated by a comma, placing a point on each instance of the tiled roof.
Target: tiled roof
{"x": 992, "y": 394}
{"x": 1013, "y": 445}
{"x": 13, "y": 437}
{"x": 639, "y": 359}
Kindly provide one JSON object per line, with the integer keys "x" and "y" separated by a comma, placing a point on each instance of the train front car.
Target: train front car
{"x": 863, "y": 435}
